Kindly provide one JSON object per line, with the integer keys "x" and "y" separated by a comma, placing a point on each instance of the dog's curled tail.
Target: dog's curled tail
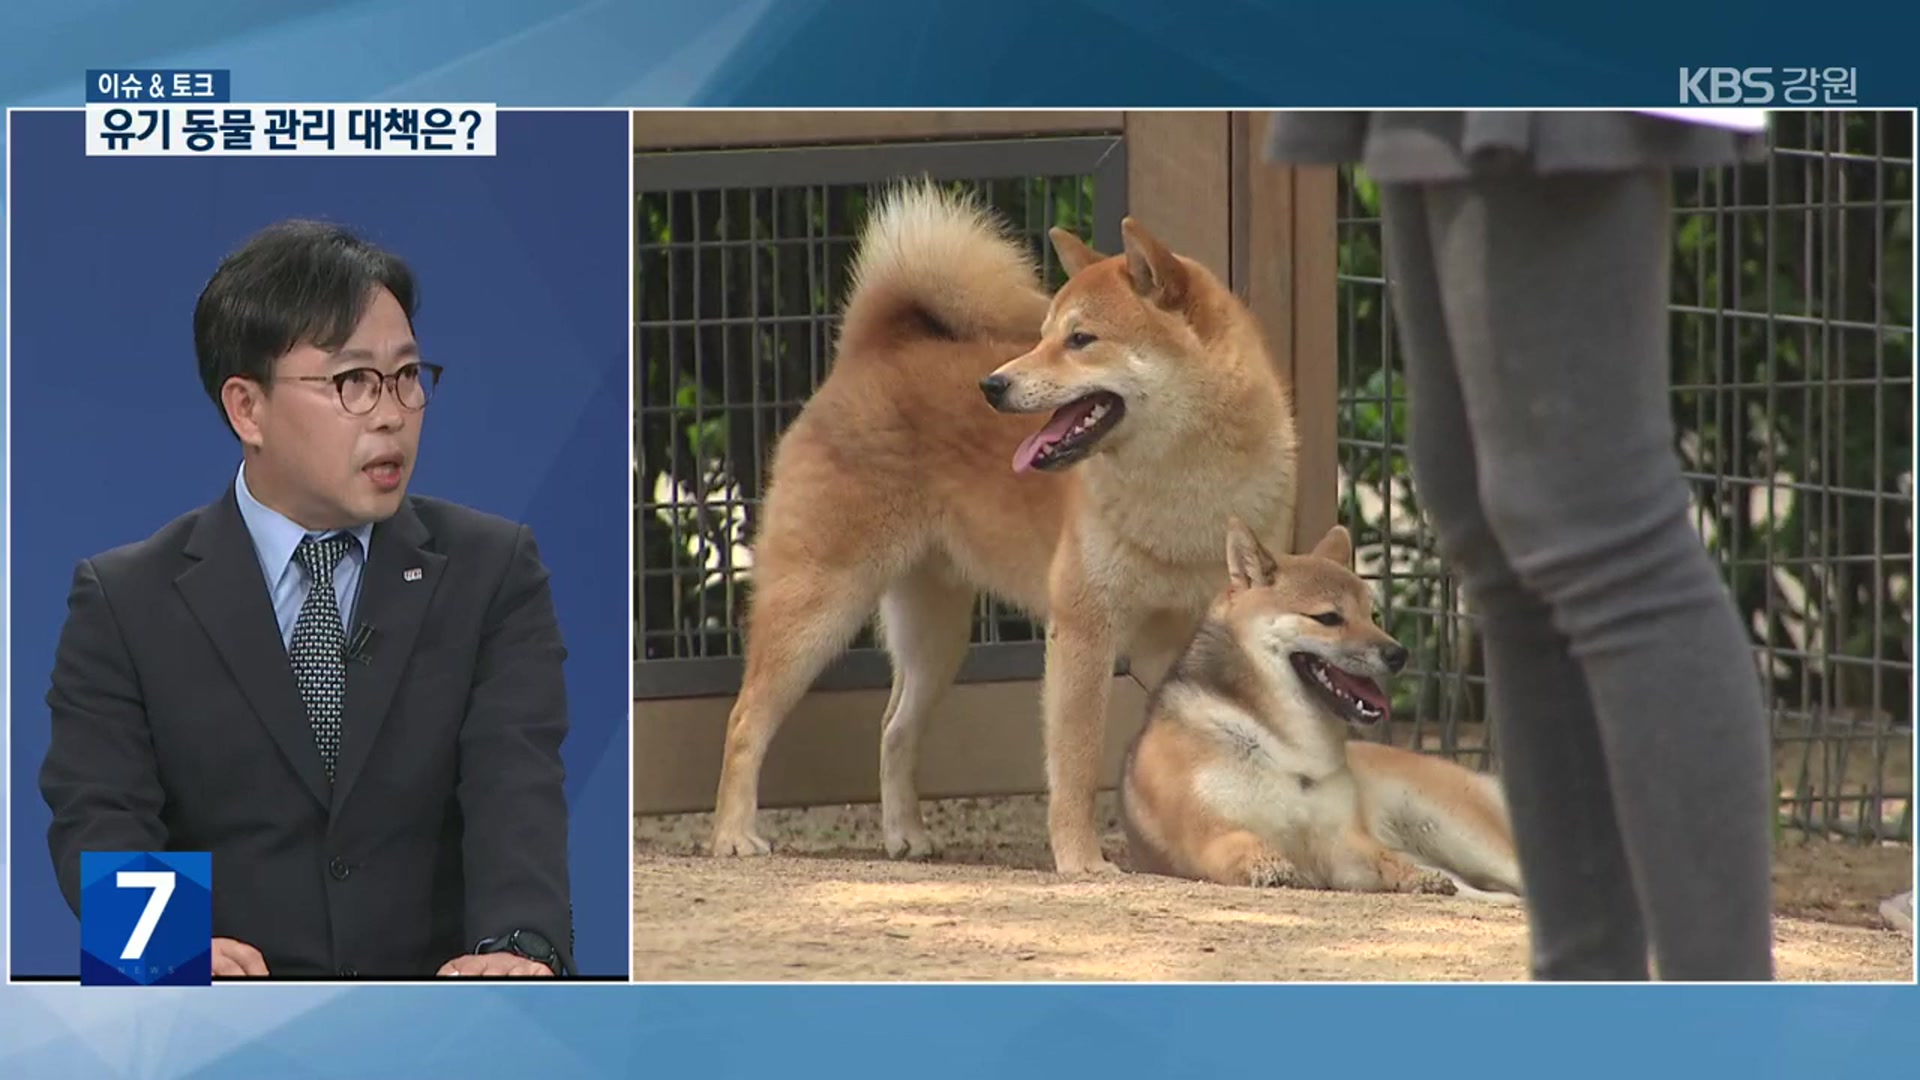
{"x": 934, "y": 263}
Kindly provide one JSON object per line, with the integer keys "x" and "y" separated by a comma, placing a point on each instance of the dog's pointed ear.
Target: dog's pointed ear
{"x": 1074, "y": 253}
{"x": 1154, "y": 271}
{"x": 1336, "y": 546}
{"x": 1249, "y": 564}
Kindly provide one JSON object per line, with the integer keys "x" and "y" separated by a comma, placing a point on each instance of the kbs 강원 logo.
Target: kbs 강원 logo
{"x": 146, "y": 918}
{"x": 1765, "y": 86}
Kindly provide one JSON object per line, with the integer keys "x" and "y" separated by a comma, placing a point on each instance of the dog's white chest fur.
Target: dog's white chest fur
{"x": 1266, "y": 785}
{"x": 1157, "y": 534}
{"x": 1158, "y": 560}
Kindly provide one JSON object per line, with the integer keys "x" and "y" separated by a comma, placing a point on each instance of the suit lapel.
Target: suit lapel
{"x": 393, "y": 602}
{"x": 227, "y": 595}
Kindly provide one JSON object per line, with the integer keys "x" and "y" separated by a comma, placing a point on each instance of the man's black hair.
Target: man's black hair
{"x": 293, "y": 283}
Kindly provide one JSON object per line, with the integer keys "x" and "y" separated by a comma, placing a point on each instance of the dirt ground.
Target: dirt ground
{"x": 830, "y": 906}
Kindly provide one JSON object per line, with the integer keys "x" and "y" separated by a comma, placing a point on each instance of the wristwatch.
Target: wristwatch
{"x": 529, "y": 944}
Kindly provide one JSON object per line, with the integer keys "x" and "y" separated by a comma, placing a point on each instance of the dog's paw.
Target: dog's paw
{"x": 728, "y": 843}
{"x": 1431, "y": 883}
{"x": 911, "y": 843}
{"x": 1275, "y": 873}
{"x": 1095, "y": 865}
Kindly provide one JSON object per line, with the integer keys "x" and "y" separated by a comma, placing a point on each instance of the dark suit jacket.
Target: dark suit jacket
{"x": 177, "y": 725}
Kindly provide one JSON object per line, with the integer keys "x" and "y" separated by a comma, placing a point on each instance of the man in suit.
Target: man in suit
{"x": 349, "y": 694}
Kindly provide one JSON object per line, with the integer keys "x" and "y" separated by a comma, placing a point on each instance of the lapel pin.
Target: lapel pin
{"x": 412, "y": 573}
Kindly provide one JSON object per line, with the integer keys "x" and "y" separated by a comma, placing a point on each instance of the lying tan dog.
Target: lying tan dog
{"x": 1124, "y": 421}
{"x": 1243, "y": 773}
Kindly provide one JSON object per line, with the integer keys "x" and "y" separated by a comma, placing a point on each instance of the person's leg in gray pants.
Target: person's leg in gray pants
{"x": 1632, "y": 736}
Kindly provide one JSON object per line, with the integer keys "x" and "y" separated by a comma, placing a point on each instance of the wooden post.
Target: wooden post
{"x": 1287, "y": 264}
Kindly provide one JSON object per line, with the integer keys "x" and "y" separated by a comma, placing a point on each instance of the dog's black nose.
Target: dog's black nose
{"x": 1395, "y": 656}
{"x": 995, "y": 387}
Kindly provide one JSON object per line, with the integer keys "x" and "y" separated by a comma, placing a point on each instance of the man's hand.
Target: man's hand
{"x": 500, "y": 963}
{"x": 232, "y": 957}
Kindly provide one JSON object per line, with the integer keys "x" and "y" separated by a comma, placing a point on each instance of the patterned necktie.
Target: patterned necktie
{"x": 319, "y": 646}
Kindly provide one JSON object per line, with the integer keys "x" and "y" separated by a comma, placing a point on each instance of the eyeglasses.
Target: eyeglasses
{"x": 359, "y": 388}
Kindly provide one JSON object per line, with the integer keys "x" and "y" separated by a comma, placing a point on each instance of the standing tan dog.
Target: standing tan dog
{"x": 1091, "y": 489}
{"x": 1243, "y": 774}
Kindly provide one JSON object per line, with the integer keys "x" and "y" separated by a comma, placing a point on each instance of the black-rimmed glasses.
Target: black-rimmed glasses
{"x": 359, "y": 388}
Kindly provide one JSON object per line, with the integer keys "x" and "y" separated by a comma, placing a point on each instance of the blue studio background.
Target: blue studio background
{"x": 524, "y": 283}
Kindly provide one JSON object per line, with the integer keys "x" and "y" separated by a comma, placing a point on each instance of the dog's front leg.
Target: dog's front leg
{"x": 1240, "y": 857}
{"x": 1157, "y": 644}
{"x": 1080, "y": 659}
{"x": 1362, "y": 864}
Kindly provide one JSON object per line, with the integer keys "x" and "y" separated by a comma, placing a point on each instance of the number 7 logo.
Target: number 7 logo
{"x": 146, "y": 918}
{"x": 161, "y": 882}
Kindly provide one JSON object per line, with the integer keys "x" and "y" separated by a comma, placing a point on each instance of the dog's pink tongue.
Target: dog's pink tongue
{"x": 1056, "y": 429}
{"x": 1365, "y": 689}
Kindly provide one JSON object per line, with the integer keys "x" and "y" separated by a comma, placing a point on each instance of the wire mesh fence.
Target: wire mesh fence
{"x": 742, "y": 261}
{"x": 1792, "y": 391}
{"x": 1792, "y": 339}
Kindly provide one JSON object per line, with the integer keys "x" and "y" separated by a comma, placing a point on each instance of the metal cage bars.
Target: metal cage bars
{"x": 1792, "y": 343}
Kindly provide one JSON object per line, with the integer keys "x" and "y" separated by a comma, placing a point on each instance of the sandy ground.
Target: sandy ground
{"x": 830, "y": 906}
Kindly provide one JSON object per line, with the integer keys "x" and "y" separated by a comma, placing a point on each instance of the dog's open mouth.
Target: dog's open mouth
{"x": 1072, "y": 433}
{"x": 1355, "y": 697}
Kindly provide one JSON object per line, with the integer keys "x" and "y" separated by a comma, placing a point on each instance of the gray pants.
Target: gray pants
{"x": 1632, "y": 736}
